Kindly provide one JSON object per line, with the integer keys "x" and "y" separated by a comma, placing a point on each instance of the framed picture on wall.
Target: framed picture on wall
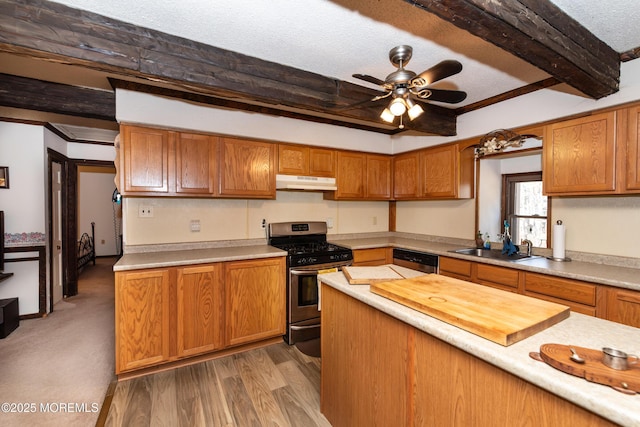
{"x": 4, "y": 177}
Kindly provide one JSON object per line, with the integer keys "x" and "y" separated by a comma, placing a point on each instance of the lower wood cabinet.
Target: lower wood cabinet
{"x": 581, "y": 297}
{"x": 167, "y": 314}
{"x": 200, "y": 309}
{"x": 375, "y": 256}
{"x": 392, "y": 374}
{"x": 255, "y": 300}
{"x": 623, "y": 306}
{"x": 142, "y": 318}
{"x": 456, "y": 268}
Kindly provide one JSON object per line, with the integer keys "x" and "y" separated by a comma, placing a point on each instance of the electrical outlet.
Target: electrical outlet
{"x": 329, "y": 222}
{"x": 195, "y": 225}
{"x": 263, "y": 224}
{"x": 145, "y": 211}
{"x": 374, "y": 220}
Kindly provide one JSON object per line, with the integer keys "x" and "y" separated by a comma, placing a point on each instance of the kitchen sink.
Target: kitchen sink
{"x": 494, "y": 254}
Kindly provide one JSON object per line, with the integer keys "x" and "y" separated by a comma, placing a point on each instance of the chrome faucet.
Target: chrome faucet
{"x": 529, "y": 245}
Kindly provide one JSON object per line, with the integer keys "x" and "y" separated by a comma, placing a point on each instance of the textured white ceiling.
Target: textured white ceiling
{"x": 341, "y": 37}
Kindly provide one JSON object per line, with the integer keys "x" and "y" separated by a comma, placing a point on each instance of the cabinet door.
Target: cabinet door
{"x": 456, "y": 268}
{"x": 580, "y": 296}
{"x": 322, "y": 162}
{"x": 350, "y": 178}
{"x": 247, "y": 168}
{"x": 633, "y": 150}
{"x": 200, "y": 309}
{"x": 406, "y": 176}
{"x": 196, "y": 166}
{"x": 145, "y": 159}
{"x": 378, "y": 177}
{"x": 506, "y": 279}
{"x": 439, "y": 172}
{"x": 377, "y": 256}
{"x": 579, "y": 156}
{"x": 293, "y": 159}
{"x": 623, "y": 306}
{"x": 142, "y": 318}
{"x": 255, "y": 300}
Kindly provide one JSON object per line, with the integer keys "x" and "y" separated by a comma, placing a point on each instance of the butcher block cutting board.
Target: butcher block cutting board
{"x": 500, "y": 316}
{"x": 367, "y": 275}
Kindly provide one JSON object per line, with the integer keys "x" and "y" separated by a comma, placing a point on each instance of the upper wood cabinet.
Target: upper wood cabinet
{"x": 632, "y": 155}
{"x": 247, "y": 168}
{"x": 306, "y": 161}
{"x": 144, "y": 156}
{"x": 158, "y": 162}
{"x": 447, "y": 172}
{"x": 442, "y": 172}
{"x": 379, "y": 178}
{"x": 361, "y": 176}
{"x": 579, "y": 155}
{"x": 406, "y": 176}
{"x": 196, "y": 164}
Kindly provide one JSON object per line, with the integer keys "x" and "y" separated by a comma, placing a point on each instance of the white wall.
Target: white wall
{"x": 95, "y": 188}
{"x": 142, "y": 108}
{"x": 21, "y": 149}
{"x": 231, "y": 219}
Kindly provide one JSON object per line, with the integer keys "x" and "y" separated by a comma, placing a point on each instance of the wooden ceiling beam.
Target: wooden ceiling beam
{"x": 58, "y": 33}
{"x": 540, "y": 33}
{"x": 38, "y": 95}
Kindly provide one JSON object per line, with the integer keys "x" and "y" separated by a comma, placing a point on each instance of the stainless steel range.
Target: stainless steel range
{"x": 309, "y": 254}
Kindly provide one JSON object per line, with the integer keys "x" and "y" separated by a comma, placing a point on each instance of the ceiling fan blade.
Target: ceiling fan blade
{"x": 370, "y": 79}
{"x": 442, "y": 95}
{"x": 439, "y": 71}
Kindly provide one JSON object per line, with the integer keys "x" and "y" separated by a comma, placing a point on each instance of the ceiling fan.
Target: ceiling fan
{"x": 406, "y": 87}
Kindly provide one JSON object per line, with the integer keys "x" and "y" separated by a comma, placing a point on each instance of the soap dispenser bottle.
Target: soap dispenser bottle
{"x": 479, "y": 241}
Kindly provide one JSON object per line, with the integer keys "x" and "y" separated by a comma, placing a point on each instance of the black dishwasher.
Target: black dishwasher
{"x": 415, "y": 260}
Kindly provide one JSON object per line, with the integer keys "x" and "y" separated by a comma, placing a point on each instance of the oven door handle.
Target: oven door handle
{"x": 300, "y": 328}
{"x": 315, "y": 271}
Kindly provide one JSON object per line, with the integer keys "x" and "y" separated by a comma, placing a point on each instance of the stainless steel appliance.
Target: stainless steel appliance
{"x": 309, "y": 254}
{"x": 421, "y": 261}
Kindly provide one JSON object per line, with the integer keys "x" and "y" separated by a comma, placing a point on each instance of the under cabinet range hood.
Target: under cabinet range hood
{"x": 308, "y": 183}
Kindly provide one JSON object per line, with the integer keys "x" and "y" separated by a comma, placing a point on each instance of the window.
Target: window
{"x": 526, "y": 208}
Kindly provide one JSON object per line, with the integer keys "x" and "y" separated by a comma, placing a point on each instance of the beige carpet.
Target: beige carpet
{"x": 59, "y": 367}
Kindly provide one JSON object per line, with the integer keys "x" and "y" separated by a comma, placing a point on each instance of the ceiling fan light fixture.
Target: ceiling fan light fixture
{"x": 397, "y": 107}
{"x": 415, "y": 110}
{"x": 387, "y": 116}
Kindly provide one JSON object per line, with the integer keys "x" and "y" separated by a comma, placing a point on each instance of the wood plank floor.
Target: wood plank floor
{"x": 271, "y": 386}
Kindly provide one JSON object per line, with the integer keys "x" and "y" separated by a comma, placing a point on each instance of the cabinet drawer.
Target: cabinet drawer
{"x": 375, "y": 256}
{"x": 456, "y": 266}
{"x": 490, "y": 274}
{"x": 566, "y": 289}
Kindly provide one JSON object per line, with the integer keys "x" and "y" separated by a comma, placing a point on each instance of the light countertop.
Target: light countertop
{"x": 622, "y": 277}
{"x": 136, "y": 261}
{"x": 578, "y": 330}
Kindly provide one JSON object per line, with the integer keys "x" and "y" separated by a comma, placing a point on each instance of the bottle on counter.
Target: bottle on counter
{"x": 487, "y": 241}
{"x": 479, "y": 240}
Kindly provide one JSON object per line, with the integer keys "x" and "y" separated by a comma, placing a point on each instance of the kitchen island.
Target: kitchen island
{"x": 383, "y": 361}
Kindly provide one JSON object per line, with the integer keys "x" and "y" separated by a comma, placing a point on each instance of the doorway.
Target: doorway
{"x": 63, "y": 219}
